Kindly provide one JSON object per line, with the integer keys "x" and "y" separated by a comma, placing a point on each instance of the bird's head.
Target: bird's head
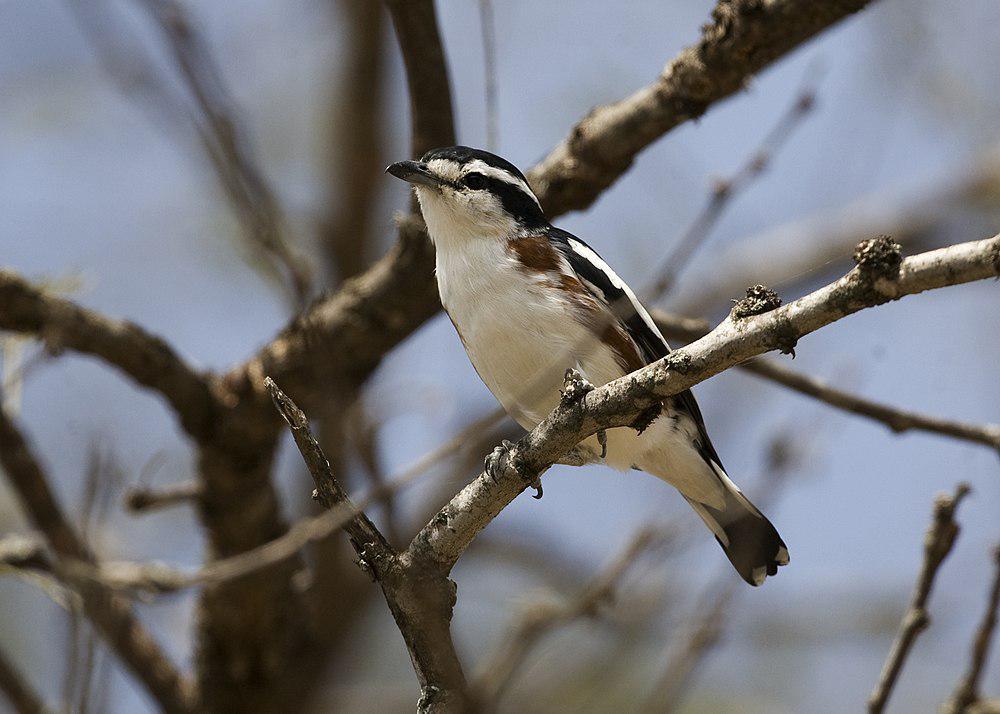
{"x": 469, "y": 194}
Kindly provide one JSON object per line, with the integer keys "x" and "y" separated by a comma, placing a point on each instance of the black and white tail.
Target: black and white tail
{"x": 749, "y": 540}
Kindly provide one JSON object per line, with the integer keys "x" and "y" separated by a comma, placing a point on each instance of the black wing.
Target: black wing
{"x": 598, "y": 277}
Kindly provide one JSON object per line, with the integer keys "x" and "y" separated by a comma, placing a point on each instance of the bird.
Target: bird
{"x": 529, "y": 300}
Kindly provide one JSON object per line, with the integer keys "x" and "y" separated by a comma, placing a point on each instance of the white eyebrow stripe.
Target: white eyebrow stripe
{"x": 480, "y": 166}
{"x": 596, "y": 260}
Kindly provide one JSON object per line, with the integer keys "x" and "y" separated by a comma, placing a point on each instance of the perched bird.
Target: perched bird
{"x": 530, "y": 300}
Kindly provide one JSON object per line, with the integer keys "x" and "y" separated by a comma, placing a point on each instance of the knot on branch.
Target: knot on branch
{"x": 879, "y": 257}
{"x": 646, "y": 418}
{"x": 759, "y": 299}
{"x": 575, "y": 388}
{"x": 679, "y": 362}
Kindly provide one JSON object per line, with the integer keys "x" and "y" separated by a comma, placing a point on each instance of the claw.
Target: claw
{"x": 491, "y": 465}
{"x": 537, "y": 485}
{"x": 602, "y": 439}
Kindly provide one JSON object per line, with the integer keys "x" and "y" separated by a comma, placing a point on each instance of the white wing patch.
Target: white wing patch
{"x": 596, "y": 260}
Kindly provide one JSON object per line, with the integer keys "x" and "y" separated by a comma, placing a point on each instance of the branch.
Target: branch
{"x": 20, "y": 694}
{"x": 744, "y": 37}
{"x": 144, "y": 357}
{"x": 421, "y": 601}
{"x": 143, "y": 500}
{"x": 426, "y": 67}
{"x": 538, "y": 620}
{"x": 725, "y": 190}
{"x": 583, "y": 413}
{"x": 967, "y": 692}
{"x": 937, "y": 545}
{"x": 347, "y": 334}
{"x": 125, "y": 635}
{"x": 214, "y": 117}
{"x": 898, "y": 420}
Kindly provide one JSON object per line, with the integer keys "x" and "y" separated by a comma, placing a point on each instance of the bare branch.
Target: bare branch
{"x": 744, "y": 37}
{"x": 126, "y": 636}
{"x": 445, "y": 538}
{"x": 215, "y": 120}
{"x": 421, "y": 601}
{"x": 329, "y": 493}
{"x": 937, "y": 545}
{"x": 21, "y": 695}
{"x": 725, "y": 190}
{"x": 144, "y": 357}
{"x": 431, "y": 116}
{"x": 967, "y": 692}
{"x": 144, "y": 500}
{"x": 357, "y": 140}
{"x": 898, "y": 420}
{"x": 538, "y": 620}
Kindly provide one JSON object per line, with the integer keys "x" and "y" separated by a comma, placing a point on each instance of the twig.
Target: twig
{"x": 967, "y": 692}
{"x": 897, "y": 419}
{"x": 215, "y": 120}
{"x": 158, "y": 578}
{"x": 538, "y": 620}
{"x": 143, "y": 500}
{"x": 937, "y": 545}
{"x": 420, "y": 600}
{"x": 725, "y": 190}
{"x": 144, "y": 357}
{"x": 110, "y": 614}
{"x": 329, "y": 493}
{"x": 20, "y": 694}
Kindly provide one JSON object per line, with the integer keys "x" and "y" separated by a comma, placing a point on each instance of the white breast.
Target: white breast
{"x": 520, "y": 334}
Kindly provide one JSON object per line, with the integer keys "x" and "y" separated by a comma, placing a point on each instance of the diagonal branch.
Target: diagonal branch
{"x": 967, "y": 692}
{"x": 585, "y": 412}
{"x": 348, "y": 333}
{"x": 144, "y": 357}
{"x": 744, "y": 37}
{"x": 898, "y": 420}
{"x": 937, "y": 545}
{"x": 19, "y": 693}
{"x": 111, "y": 615}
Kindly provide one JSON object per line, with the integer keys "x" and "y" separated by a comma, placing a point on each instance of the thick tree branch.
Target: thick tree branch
{"x": 432, "y": 122}
{"x": 744, "y": 37}
{"x": 144, "y": 357}
{"x": 937, "y": 545}
{"x": 583, "y": 413}
{"x": 348, "y": 333}
{"x": 111, "y": 615}
{"x": 898, "y": 420}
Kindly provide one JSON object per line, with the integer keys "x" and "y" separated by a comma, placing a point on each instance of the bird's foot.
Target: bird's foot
{"x": 493, "y": 464}
{"x": 602, "y": 439}
{"x": 537, "y": 485}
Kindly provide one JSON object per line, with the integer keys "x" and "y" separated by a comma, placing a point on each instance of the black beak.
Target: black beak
{"x": 414, "y": 172}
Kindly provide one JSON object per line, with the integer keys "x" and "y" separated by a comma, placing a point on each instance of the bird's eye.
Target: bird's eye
{"x": 475, "y": 181}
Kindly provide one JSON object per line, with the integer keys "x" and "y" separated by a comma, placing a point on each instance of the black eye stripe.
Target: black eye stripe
{"x": 514, "y": 199}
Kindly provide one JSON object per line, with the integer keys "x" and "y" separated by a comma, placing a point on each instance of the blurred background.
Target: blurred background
{"x": 106, "y": 194}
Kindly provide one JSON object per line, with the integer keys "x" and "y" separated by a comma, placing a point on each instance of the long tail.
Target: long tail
{"x": 749, "y": 540}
